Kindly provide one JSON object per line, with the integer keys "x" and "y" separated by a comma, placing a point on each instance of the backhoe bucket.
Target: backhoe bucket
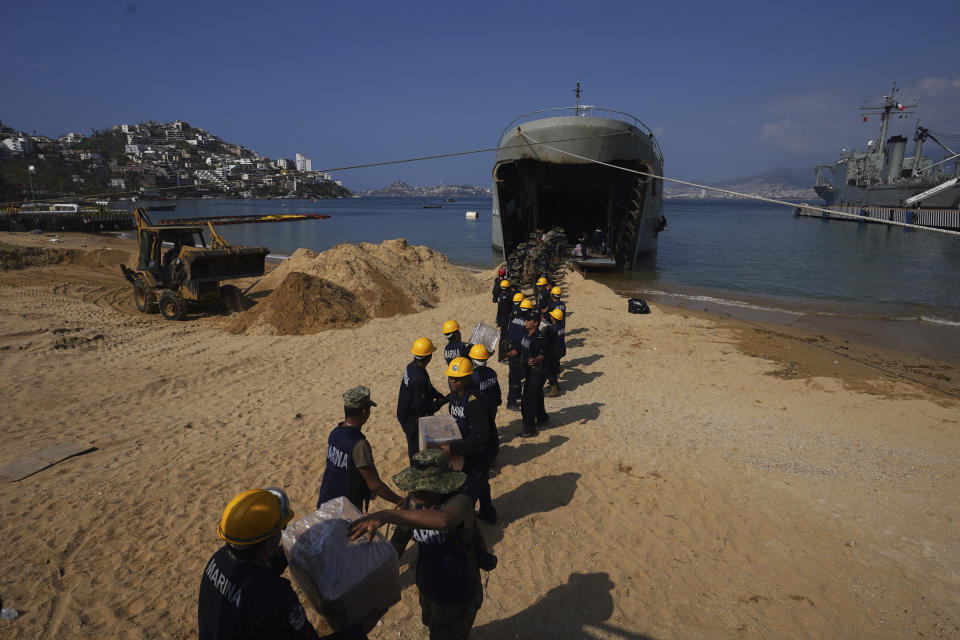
{"x": 204, "y": 265}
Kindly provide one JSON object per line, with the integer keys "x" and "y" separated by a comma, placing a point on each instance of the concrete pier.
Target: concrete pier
{"x": 936, "y": 218}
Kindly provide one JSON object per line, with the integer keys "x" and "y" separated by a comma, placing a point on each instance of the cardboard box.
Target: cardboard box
{"x": 345, "y": 581}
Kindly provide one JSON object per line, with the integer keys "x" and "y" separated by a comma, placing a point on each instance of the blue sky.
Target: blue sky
{"x": 731, "y": 89}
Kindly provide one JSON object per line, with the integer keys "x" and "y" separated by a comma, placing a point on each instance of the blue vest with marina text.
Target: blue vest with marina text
{"x": 336, "y": 476}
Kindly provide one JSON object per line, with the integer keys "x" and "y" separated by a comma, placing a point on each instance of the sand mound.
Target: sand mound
{"x": 301, "y": 305}
{"x": 26, "y": 257}
{"x": 388, "y": 279}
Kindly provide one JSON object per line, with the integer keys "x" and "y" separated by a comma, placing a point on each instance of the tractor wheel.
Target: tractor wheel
{"x": 171, "y": 307}
{"x": 144, "y": 298}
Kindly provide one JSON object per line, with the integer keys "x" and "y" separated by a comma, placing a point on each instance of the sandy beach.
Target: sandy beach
{"x": 702, "y": 477}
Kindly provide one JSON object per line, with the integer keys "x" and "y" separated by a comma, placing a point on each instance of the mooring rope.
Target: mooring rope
{"x": 737, "y": 193}
{"x": 281, "y": 175}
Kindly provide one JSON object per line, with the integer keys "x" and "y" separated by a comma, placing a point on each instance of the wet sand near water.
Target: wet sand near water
{"x": 700, "y": 477}
{"x": 903, "y": 331}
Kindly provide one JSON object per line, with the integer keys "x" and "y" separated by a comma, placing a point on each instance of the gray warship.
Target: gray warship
{"x": 883, "y": 176}
{"x": 545, "y": 176}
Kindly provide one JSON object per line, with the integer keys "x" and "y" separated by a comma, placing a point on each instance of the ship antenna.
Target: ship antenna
{"x": 890, "y": 104}
{"x": 576, "y": 93}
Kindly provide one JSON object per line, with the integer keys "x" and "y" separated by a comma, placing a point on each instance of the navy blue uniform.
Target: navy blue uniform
{"x": 551, "y": 351}
{"x": 485, "y": 379}
{"x": 516, "y": 329}
{"x": 531, "y": 402}
{"x": 240, "y": 600}
{"x": 456, "y": 349}
{"x": 496, "y": 288}
{"x": 417, "y": 398}
{"x": 543, "y": 300}
{"x": 479, "y": 445}
{"x": 341, "y": 477}
{"x": 504, "y": 308}
{"x": 561, "y": 326}
{"x": 448, "y": 574}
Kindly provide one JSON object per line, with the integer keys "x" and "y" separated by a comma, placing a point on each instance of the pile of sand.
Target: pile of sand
{"x": 388, "y": 279}
{"x": 301, "y": 305}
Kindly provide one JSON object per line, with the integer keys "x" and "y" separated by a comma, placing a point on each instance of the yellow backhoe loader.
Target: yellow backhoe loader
{"x": 177, "y": 270}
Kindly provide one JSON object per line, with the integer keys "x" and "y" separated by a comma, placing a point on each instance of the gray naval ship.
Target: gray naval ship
{"x": 545, "y": 176}
{"x": 883, "y": 176}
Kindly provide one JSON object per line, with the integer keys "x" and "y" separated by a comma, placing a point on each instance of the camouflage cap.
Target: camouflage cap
{"x": 358, "y": 398}
{"x": 430, "y": 471}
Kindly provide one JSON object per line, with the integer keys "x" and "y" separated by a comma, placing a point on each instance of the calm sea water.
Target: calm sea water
{"x": 446, "y": 229}
{"x": 751, "y": 260}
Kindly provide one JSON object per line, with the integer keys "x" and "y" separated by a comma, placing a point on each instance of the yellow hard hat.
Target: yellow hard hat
{"x": 253, "y": 516}
{"x": 479, "y": 352}
{"x": 460, "y": 368}
{"x": 518, "y": 297}
{"x": 541, "y": 281}
{"x": 422, "y": 347}
{"x": 504, "y": 284}
{"x": 557, "y": 314}
{"x": 526, "y": 304}
{"x": 557, "y": 291}
{"x": 450, "y": 326}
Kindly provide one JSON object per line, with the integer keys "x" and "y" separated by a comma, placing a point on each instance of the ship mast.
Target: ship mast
{"x": 576, "y": 93}
{"x": 890, "y": 104}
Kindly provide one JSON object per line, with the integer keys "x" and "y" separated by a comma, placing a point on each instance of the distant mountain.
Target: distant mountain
{"x": 399, "y": 188}
{"x": 776, "y": 183}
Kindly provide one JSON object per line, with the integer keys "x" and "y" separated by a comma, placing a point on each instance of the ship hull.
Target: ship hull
{"x": 888, "y": 196}
{"x": 535, "y": 187}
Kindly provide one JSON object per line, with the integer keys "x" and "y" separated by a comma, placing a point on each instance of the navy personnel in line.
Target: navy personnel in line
{"x": 504, "y": 307}
{"x": 532, "y": 355}
{"x": 551, "y": 341}
{"x": 456, "y": 348}
{"x": 417, "y": 397}
{"x": 480, "y": 443}
{"x": 543, "y": 295}
{"x": 485, "y": 379}
{"x": 241, "y": 593}
{"x": 501, "y": 276}
{"x": 516, "y": 329}
{"x": 350, "y": 470}
{"x": 448, "y": 573}
{"x": 557, "y": 303}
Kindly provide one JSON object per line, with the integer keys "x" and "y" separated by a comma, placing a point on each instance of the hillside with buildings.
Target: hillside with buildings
{"x": 173, "y": 160}
{"x": 792, "y": 184}
{"x": 399, "y": 188}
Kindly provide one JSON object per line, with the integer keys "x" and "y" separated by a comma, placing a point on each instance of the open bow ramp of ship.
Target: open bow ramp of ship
{"x": 548, "y": 174}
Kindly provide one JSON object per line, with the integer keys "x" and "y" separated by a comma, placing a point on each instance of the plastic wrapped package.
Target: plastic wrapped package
{"x": 437, "y": 430}
{"x": 486, "y": 335}
{"x": 344, "y": 580}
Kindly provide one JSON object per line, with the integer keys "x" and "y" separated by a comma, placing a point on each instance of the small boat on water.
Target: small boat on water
{"x": 570, "y": 167}
{"x": 431, "y": 206}
{"x": 65, "y": 216}
{"x": 247, "y": 219}
{"x": 57, "y": 208}
{"x": 167, "y": 206}
{"x": 450, "y": 200}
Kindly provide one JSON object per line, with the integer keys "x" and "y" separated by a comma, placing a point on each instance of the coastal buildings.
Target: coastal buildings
{"x": 151, "y": 155}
